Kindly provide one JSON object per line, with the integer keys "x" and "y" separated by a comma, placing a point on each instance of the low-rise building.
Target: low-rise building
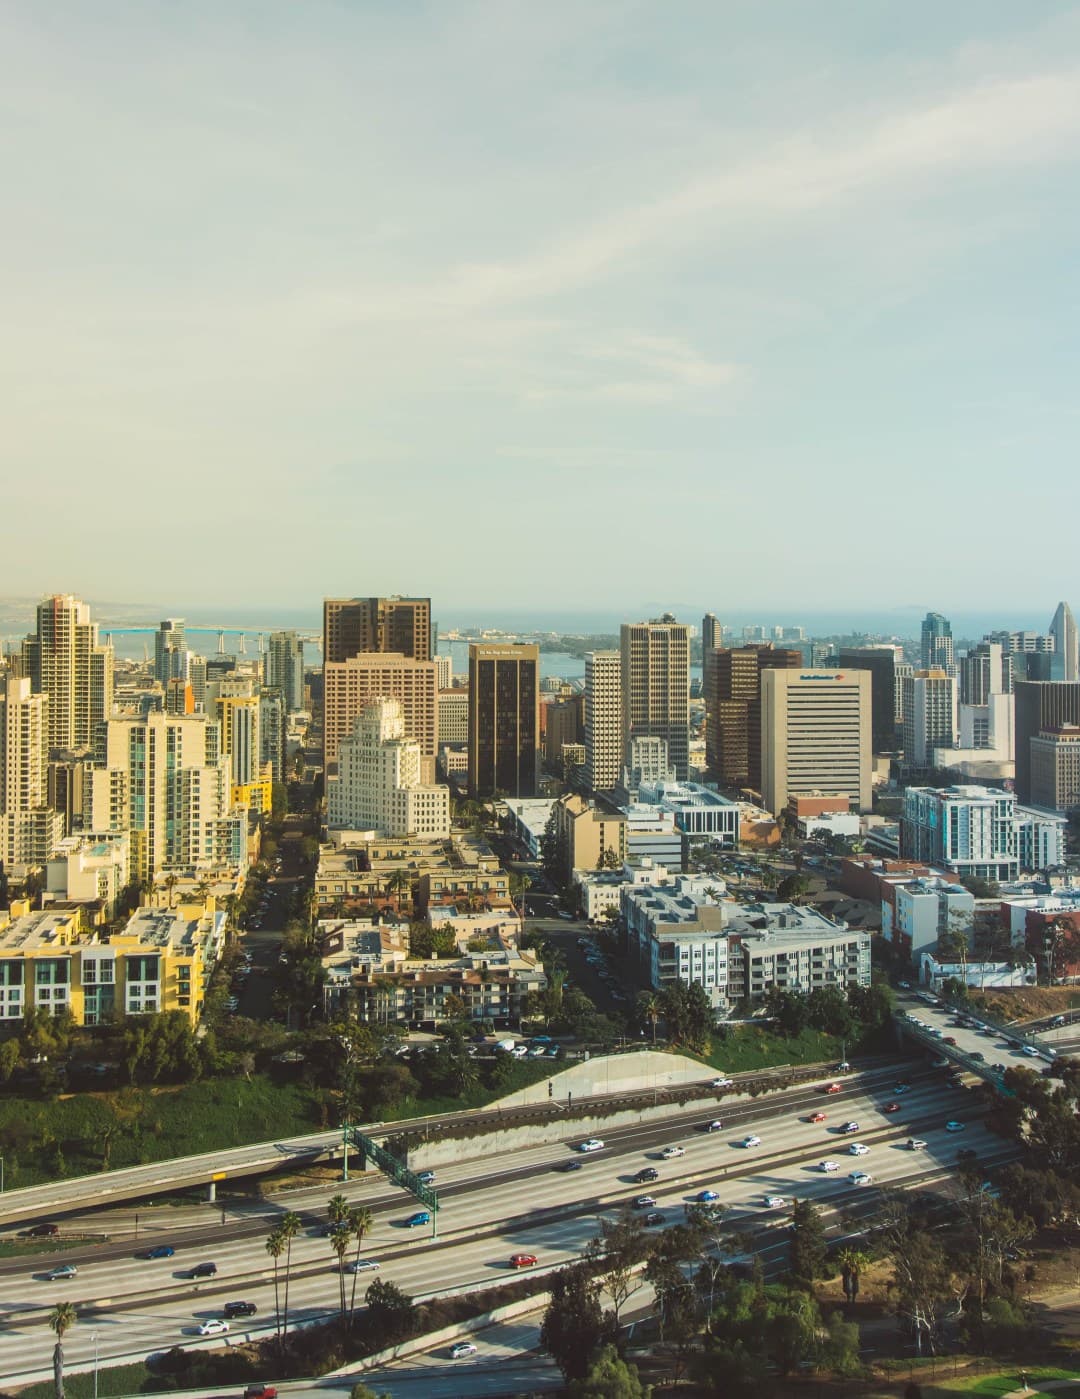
{"x": 697, "y": 810}
{"x": 87, "y": 868}
{"x": 1040, "y": 839}
{"x": 922, "y": 911}
{"x": 590, "y": 833}
{"x": 409, "y": 874}
{"x": 527, "y": 818}
{"x": 985, "y": 975}
{"x": 600, "y": 891}
{"x": 971, "y": 830}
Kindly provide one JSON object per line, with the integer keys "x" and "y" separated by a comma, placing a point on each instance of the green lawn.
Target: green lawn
{"x": 1004, "y": 1382}
{"x": 112, "y": 1380}
{"x": 749, "y": 1047}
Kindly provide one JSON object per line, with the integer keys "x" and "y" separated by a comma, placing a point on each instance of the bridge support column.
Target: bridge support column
{"x": 211, "y": 1192}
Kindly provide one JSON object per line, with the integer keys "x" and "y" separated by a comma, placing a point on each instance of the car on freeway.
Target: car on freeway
{"x": 723, "y": 1083}
{"x": 954, "y": 1126}
{"x": 827, "y": 1167}
{"x": 652, "y": 1219}
{"x": 704, "y": 1197}
{"x": 214, "y": 1327}
{"x": 591, "y": 1144}
{"x": 571, "y": 1165}
{"x": 751, "y": 1140}
{"x": 843, "y": 1068}
{"x": 848, "y": 1127}
{"x": 669, "y": 1153}
{"x": 203, "y": 1270}
{"x": 647, "y": 1173}
{"x": 816, "y": 1117}
{"x": 362, "y": 1265}
{"x": 916, "y": 1144}
{"x": 978, "y": 1055}
{"x": 420, "y": 1217}
{"x": 260, "y": 1391}
{"x": 426, "y": 1177}
{"x": 62, "y": 1273}
{"x": 43, "y": 1231}
{"x": 714, "y": 1126}
{"x": 833, "y": 1088}
{"x": 159, "y": 1251}
{"x": 774, "y": 1202}
{"x": 949, "y": 1039}
{"x": 234, "y": 1309}
{"x": 858, "y": 1149}
{"x": 643, "y": 1202}
{"x": 891, "y": 1107}
{"x": 460, "y": 1349}
{"x": 940, "y": 1063}
{"x": 860, "y": 1178}
{"x": 523, "y": 1260}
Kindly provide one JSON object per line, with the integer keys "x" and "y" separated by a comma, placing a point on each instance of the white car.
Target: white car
{"x": 460, "y": 1349}
{"x": 723, "y": 1083}
{"x": 774, "y": 1202}
{"x": 826, "y": 1167}
{"x": 669, "y": 1153}
{"x": 1030, "y": 1051}
{"x": 214, "y": 1327}
{"x": 858, "y": 1149}
{"x": 860, "y": 1178}
{"x": 751, "y": 1140}
{"x": 591, "y": 1144}
{"x": 916, "y": 1144}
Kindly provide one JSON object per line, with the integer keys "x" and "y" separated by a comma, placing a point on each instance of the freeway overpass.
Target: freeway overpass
{"x": 985, "y": 1050}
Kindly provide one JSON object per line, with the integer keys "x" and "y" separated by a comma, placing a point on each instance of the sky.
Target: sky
{"x": 583, "y": 305}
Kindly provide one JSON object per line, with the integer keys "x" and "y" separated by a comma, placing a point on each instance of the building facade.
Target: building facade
{"x": 504, "y": 719}
{"x": 815, "y": 735}
{"x": 655, "y": 683}
{"x": 603, "y": 720}
{"x": 399, "y": 625}
{"x": 1055, "y": 769}
{"x": 970, "y": 830}
{"x": 64, "y": 661}
{"x": 930, "y": 716}
{"x": 284, "y": 668}
{"x": 379, "y": 786}
{"x": 351, "y": 684}
{"x": 733, "y": 711}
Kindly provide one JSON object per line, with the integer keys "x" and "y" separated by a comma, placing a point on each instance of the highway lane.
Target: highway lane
{"x": 554, "y": 1217}
{"x": 990, "y": 1044}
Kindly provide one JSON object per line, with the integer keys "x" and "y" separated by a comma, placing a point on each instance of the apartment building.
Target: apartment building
{"x": 28, "y": 827}
{"x": 284, "y": 668}
{"x": 603, "y": 720}
{"x": 970, "y": 830}
{"x": 930, "y": 716}
{"x": 65, "y": 661}
{"x": 588, "y": 832}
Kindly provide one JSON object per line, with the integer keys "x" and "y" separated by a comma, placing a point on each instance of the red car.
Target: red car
{"x": 260, "y": 1391}
{"x": 834, "y": 1088}
{"x": 891, "y": 1107}
{"x": 816, "y": 1117}
{"x": 523, "y": 1260}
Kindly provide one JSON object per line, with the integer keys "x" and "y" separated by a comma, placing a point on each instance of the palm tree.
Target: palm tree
{"x": 852, "y": 1262}
{"x": 170, "y": 881}
{"x": 650, "y": 1009}
{"x": 289, "y": 1227}
{"x": 340, "y": 1236}
{"x": 399, "y": 882}
{"x": 62, "y": 1318}
{"x": 360, "y": 1222}
{"x": 275, "y": 1247}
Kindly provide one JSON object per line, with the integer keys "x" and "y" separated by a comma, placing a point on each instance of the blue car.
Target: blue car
{"x": 705, "y": 1196}
{"x": 420, "y": 1217}
{"x": 161, "y": 1251}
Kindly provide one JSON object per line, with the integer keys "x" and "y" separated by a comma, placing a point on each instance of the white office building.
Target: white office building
{"x": 970, "y": 830}
{"x": 379, "y": 785}
{"x": 930, "y": 716}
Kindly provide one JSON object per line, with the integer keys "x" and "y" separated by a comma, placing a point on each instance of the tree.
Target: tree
{"x": 688, "y": 1014}
{"x": 275, "y": 1247}
{"x": 853, "y": 1262}
{"x": 647, "y": 1008}
{"x": 454, "y": 1007}
{"x": 840, "y": 1347}
{"x": 617, "y": 1250}
{"x": 807, "y": 1242}
{"x": 61, "y": 1319}
{"x": 793, "y": 887}
{"x": 707, "y": 1223}
{"x": 339, "y": 1244}
{"x": 289, "y": 1227}
{"x": 609, "y": 1377}
{"x": 391, "y": 1311}
{"x": 360, "y": 1221}
{"x": 574, "y": 1326}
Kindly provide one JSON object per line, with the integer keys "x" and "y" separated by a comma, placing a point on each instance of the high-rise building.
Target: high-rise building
{"x": 350, "y": 684}
{"x": 237, "y": 712}
{"x": 28, "y": 827}
{"x": 65, "y": 662}
{"x": 273, "y": 724}
{"x": 986, "y": 670}
{"x": 1066, "y": 663}
{"x": 733, "y": 724}
{"x": 880, "y": 661}
{"x": 930, "y": 716}
{"x": 815, "y": 735}
{"x": 712, "y": 633}
{"x": 603, "y": 720}
{"x": 1040, "y": 705}
{"x": 504, "y": 718}
{"x": 453, "y": 716}
{"x": 969, "y": 830}
{"x": 445, "y": 668}
{"x": 380, "y": 785}
{"x": 163, "y": 779}
{"x": 285, "y": 668}
{"x": 170, "y": 651}
{"x": 1055, "y": 769}
{"x": 399, "y": 625}
{"x": 656, "y": 686}
{"x": 937, "y": 643}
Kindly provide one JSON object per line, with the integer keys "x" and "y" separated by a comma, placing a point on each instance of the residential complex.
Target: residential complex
{"x": 65, "y": 661}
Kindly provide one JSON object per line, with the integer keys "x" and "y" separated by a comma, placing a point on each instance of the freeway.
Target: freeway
{"x": 491, "y": 1208}
{"x": 989, "y": 1048}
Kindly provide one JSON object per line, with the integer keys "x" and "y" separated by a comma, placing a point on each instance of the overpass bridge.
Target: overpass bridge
{"x": 979, "y": 1046}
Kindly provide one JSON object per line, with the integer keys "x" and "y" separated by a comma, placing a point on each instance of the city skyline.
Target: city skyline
{"x": 555, "y": 271}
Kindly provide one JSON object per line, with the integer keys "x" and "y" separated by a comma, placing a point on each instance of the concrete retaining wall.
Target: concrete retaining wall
{"x": 613, "y": 1073}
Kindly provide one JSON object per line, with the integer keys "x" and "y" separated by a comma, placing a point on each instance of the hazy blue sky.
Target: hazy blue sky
{"x": 765, "y": 304}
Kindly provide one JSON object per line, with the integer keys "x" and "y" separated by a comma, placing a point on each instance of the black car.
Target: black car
{"x": 647, "y": 1173}
{"x": 231, "y": 1309}
{"x": 572, "y": 1165}
{"x": 43, "y": 1231}
{"x": 203, "y": 1270}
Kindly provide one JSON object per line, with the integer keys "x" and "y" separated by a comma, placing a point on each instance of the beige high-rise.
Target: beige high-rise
{"x": 28, "y": 829}
{"x": 815, "y": 735}
{"x": 350, "y": 684}
{"x": 656, "y": 687}
{"x": 603, "y": 720}
{"x": 65, "y": 662}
